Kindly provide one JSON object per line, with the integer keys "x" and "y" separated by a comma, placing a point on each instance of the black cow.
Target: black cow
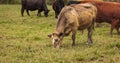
{"x": 32, "y": 5}
{"x": 73, "y": 2}
{"x": 57, "y": 7}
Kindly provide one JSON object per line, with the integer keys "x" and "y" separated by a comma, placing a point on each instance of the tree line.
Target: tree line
{"x": 10, "y": 1}
{"x": 47, "y": 1}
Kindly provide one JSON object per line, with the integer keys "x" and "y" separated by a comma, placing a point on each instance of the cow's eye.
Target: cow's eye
{"x": 56, "y": 40}
{"x": 60, "y": 34}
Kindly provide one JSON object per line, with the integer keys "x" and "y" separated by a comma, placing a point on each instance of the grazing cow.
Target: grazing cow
{"x": 57, "y": 7}
{"x": 32, "y": 5}
{"x": 73, "y": 18}
{"x": 108, "y": 12}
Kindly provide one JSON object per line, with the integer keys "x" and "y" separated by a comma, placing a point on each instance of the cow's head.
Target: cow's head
{"x": 46, "y": 13}
{"x": 56, "y": 39}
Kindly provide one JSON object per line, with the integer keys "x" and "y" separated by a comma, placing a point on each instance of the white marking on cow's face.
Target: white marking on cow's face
{"x": 55, "y": 40}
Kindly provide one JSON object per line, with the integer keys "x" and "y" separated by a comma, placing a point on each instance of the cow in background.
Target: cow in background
{"x": 57, "y": 7}
{"x": 111, "y": 16}
{"x": 73, "y": 18}
{"x": 108, "y": 12}
{"x": 32, "y": 5}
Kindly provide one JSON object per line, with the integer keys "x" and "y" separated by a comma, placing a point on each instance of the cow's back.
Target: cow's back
{"x": 107, "y": 11}
{"x": 87, "y": 12}
{"x": 81, "y": 15}
{"x": 32, "y": 4}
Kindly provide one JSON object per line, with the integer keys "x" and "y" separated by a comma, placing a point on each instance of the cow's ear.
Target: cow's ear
{"x": 61, "y": 34}
{"x": 50, "y": 35}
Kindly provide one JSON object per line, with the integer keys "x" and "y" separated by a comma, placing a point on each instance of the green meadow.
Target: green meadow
{"x": 24, "y": 40}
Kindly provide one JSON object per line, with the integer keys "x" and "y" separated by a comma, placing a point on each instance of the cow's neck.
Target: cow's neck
{"x": 60, "y": 26}
{"x": 60, "y": 29}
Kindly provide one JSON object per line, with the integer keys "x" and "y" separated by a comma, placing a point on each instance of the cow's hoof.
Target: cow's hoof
{"x": 89, "y": 43}
{"x": 73, "y": 44}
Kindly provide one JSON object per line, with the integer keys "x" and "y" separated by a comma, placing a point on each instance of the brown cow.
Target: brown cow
{"x": 108, "y": 12}
{"x": 73, "y": 18}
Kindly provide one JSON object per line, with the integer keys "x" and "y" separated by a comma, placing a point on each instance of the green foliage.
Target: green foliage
{"x": 24, "y": 40}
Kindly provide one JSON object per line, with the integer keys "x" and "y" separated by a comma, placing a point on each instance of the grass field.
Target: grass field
{"x": 24, "y": 40}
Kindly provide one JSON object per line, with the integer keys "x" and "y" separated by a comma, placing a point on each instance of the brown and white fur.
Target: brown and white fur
{"x": 73, "y": 18}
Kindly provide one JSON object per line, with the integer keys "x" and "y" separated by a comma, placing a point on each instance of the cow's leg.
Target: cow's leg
{"x": 114, "y": 24}
{"x": 112, "y": 27}
{"x": 117, "y": 28}
{"x": 56, "y": 14}
{"x": 98, "y": 24}
{"x": 22, "y": 11}
{"x": 73, "y": 37}
{"x": 39, "y": 14}
{"x": 28, "y": 12}
{"x": 89, "y": 41}
{"x": 82, "y": 31}
{"x": 111, "y": 30}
